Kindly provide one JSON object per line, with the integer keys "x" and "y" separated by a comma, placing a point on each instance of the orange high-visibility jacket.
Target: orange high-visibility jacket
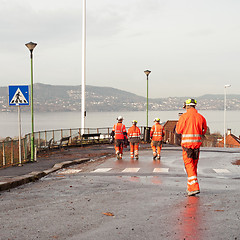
{"x": 192, "y": 126}
{"x": 119, "y": 129}
{"x": 134, "y": 131}
{"x": 157, "y": 132}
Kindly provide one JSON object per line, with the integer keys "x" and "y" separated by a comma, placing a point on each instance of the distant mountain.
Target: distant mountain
{"x": 218, "y": 96}
{"x": 68, "y": 98}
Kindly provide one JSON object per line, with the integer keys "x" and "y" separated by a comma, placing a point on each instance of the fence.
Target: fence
{"x": 9, "y": 152}
{"x": 52, "y": 139}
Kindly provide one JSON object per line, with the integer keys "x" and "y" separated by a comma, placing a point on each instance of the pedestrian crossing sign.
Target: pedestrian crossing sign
{"x": 18, "y": 95}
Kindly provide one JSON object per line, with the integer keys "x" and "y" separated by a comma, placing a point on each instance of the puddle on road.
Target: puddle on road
{"x": 142, "y": 179}
{"x": 190, "y": 222}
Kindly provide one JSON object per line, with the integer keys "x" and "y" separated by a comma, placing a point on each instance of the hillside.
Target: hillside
{"x": 50, "y": 98}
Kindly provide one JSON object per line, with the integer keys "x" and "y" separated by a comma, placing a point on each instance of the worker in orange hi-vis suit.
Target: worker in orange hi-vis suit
{"x": 134, "y": 139}
{"x": 156, "y": 134}
{"x": 192, "y": 126}
{"x": 119, "y": 133}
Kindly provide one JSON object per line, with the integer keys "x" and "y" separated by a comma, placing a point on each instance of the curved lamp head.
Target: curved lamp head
{"x": 147, "y": 72}
{"x": 31, "y": 45}
{"x": 228, "y": 85}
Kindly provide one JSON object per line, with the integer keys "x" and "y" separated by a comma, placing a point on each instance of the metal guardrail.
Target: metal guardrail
{"x": 51, "y": 139}
{"x": 9, "y": 152}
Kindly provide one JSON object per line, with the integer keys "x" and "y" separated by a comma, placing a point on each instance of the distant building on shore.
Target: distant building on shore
{"x": 231, "y": 141}
{"x": 170, "y": 136}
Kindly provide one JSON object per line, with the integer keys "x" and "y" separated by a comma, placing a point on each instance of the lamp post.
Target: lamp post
{"x": 225, "y": 108}
{"x": 31, "y": 46}
{"x": 147, "y": 72}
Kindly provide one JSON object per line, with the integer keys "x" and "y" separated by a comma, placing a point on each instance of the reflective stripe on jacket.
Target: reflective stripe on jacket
{"x": 192, "y": 126}
{"x": 119, "y": 129}
{"x": 157, "y": 132}
{"x": 134, "y": 132}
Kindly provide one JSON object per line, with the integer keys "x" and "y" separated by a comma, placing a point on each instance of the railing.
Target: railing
{"x": 48, "y": 140}
{"x": 9, "y": 152}
{"x": 51, "y": 139}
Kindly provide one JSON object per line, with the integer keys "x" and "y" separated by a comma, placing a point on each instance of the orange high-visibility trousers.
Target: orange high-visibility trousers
{"x": 134, "y": 149}
{"x": 156, "y": 149}
{"x": 191, "y": 169}
{"x": 119, "y": 149}
{"x": 119, "y": 146}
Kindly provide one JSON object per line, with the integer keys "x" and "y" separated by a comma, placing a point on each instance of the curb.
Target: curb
{"x": 34, "y": 176}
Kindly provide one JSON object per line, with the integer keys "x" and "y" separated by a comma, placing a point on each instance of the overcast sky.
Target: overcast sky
{"x": 192, "y": 47}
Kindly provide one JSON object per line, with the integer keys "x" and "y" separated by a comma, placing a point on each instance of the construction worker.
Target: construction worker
{"x": 156, "y": 134}
{"x": 134, "y": 139}
{"x": 119, "y": 133}
{"x": 192, "y": 126}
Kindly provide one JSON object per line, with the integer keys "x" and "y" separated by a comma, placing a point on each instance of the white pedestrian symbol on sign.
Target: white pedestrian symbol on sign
{"x": 18, "y": 98}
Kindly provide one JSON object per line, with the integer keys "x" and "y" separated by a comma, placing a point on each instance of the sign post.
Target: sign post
{"x": 19, "y": 96}
{"x": 19, "y": 136}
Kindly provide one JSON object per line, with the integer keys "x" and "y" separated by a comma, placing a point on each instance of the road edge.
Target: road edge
{"x": 34, "y": 176}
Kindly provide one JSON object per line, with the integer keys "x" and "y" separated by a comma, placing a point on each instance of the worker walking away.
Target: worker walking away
{"x": 192, "y": 126}
{"x": 156, "y": 134}
{"x": 119, "y": 133}
{"x": 134, "y": 139}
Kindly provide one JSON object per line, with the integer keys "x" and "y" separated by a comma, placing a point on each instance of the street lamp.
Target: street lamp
{"x": 147, "y": 72}
{"x": 31, "y": 46}
{"x": 225, "y": 108}
{"x": 146, "y": 129}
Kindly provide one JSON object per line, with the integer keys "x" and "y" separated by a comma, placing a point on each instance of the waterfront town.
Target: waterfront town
{"x": 52, "y": 98}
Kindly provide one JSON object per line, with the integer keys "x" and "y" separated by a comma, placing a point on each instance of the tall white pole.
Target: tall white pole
{"x": 224, "y": 130}
{"x": 225, "y": 109}
{"x": 83, "y": 113}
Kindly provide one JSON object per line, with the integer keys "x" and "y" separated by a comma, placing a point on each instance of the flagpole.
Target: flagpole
{"x": 83, "y": 64}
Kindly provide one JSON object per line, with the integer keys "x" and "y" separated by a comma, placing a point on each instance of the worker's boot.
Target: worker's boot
{"x": 154, "y": 156}
{"x": 193, "y": 193}
{"x": 158, "y": 157}
{"x": 136, "y": 157}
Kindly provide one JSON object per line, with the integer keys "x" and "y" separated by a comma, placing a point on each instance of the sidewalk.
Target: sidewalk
{"x": 49, "y": 162}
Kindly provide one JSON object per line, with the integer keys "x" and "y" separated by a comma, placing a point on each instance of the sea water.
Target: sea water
{"x": 67, "y": 120}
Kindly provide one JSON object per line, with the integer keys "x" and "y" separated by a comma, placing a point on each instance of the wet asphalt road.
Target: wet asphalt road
{"x": 144, "y": 199}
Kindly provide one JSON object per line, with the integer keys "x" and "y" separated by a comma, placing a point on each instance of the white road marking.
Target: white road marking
{"x": 135, "y": 170}
{"x": 131, "y": 170}
{"x": 102, "y": 170}
{"x": 161, "y": 170}
{"x": 218, "y": 170}
{"x": 70, "y": 171}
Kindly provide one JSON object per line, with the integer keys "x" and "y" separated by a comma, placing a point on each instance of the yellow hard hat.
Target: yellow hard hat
{"x": 190, "y": 102}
